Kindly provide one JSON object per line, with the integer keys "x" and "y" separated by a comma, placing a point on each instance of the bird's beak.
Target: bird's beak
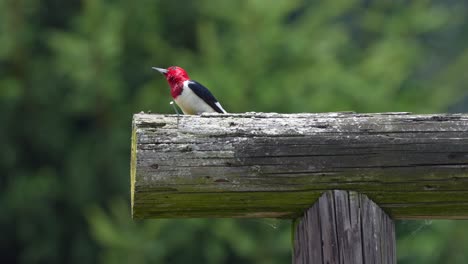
{"x": 163, "y": 71}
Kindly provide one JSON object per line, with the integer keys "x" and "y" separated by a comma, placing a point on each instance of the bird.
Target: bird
{"x": 192, "y": 97}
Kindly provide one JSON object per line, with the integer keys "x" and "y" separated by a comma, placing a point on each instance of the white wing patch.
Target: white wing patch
{"x": 190, "y": 103}
{"x": 220, "y": 107}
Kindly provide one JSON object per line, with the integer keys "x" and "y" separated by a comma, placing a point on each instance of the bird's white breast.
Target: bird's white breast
{"x": 190, "y": 103}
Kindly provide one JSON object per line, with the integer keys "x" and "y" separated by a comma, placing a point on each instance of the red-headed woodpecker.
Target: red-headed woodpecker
{"x": 192, "y": 97}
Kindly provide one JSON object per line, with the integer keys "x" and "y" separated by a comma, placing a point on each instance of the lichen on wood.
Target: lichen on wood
{"x": 277, "y": 165}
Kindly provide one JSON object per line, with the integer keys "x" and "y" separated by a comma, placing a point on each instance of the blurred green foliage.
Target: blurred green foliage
{"x": 73, "y": 72}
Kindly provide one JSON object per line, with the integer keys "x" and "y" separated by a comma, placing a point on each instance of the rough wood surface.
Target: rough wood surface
{"x": 277, "y": 165}
{"x": 344, "y": 227}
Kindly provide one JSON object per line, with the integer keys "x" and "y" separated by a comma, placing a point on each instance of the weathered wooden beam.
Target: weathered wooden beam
{"x": 344, "y": 227}
{"x": 278, "y": 165}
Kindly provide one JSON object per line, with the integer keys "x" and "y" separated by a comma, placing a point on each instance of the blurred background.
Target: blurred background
{"x": 73, "y": 72}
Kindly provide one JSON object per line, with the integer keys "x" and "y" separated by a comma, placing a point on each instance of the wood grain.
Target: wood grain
{"x": 278, "y": 165}
{"x": 344, "y": 227}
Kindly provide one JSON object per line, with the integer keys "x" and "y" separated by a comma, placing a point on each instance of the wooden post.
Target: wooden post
{"x": 277, "y": 165}
{"x": 344, "y": 227}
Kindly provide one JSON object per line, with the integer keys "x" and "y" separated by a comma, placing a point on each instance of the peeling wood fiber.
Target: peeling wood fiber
{"x": 278, "y": 165}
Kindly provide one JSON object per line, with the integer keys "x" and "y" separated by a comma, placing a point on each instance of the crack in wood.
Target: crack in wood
{"x": 278, "y": 161}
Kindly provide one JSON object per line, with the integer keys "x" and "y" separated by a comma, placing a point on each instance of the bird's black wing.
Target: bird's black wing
{"x": 205, "y": 94}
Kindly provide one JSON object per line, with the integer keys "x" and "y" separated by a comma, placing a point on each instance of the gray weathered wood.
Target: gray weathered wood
{"x": 277, "y": 165}
{"x": 344, "y": 227}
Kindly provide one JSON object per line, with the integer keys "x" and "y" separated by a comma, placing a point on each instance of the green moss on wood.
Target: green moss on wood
{"x": 133, "y": 158}
{"x": 278, "y": 166}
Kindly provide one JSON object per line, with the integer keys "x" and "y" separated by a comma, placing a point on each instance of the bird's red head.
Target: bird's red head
{"x": 175, "y": 76}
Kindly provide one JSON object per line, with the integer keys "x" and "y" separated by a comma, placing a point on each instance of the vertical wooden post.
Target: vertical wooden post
{"x": 344, "y": 227}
